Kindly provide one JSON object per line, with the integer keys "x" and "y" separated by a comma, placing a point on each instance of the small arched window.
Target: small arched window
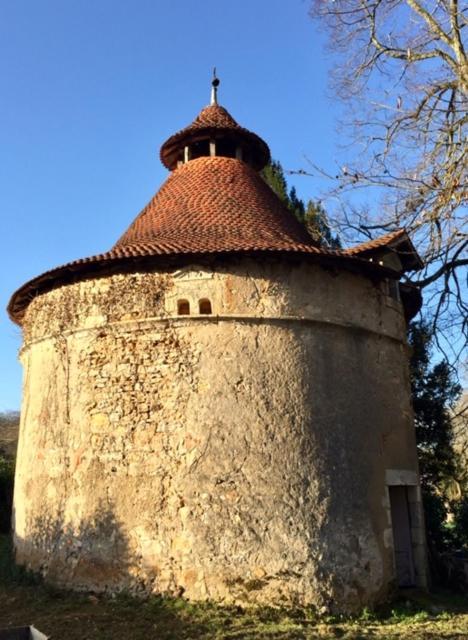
{"x": 204, "y": 306}
{"x": 183, "y": 307}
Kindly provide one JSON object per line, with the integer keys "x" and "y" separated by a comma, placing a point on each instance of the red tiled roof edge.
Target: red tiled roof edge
{"x": 387, "y": 240}
{"x": 207, "y": 207}
{"x": 136, "y": 257}
{"x": 375, "y": 243}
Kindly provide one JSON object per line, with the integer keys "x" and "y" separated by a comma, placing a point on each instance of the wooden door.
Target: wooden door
{"x": 401, "y": 525}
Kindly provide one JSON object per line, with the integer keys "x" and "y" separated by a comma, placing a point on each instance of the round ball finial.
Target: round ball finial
{"x": 214, "y": 88}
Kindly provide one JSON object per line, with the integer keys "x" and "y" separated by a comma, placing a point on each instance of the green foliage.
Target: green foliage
{"x": 273, "y": 175}
{"x": 7, "y": 473}
{"x": 60, "y": 613}
{"x": 312, "y": 215}
{"x": 434, "y": 394}
{"x": 436, "y": 511}
{"x": 316, "y": 221}
{"x": 460, "y": 529}
{"x": 296, "y": 205}
{"x": 8, "y": 439}
{"x": 404, "y": 616}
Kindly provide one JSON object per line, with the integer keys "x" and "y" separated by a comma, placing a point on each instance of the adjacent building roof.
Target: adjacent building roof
{"x": 397, "y": 241}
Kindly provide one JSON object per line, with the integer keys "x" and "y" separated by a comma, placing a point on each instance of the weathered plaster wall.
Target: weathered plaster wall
{"x": 238, "y": 457}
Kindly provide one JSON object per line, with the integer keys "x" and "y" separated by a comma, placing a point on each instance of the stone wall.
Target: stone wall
{"x": 238, "y": 456}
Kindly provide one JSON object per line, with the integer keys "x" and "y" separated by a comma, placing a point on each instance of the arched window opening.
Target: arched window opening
{"x": 183, "y": 307}
{"x": 204, "y": 306}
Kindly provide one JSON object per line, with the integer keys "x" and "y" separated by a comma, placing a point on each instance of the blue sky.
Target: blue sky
{"x": 90, "y": 91}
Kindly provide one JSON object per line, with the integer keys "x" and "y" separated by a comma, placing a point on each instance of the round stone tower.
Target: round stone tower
{"x": 219, "y": 407}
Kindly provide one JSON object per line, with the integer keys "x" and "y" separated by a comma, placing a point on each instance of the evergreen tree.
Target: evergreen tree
{"x": 273, "y": 175}
{"x": 316, "y": 221}
{"x": 296, "y": 205}
{"x": 313, "y": 216}
{"x": 434, "y": 394}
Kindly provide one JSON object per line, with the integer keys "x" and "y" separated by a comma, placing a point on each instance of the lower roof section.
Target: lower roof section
{"x": 132, "y": 260}
{"x": 211, "y": 206}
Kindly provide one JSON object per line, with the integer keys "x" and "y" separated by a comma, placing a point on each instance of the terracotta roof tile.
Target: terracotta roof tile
{"x": 398, "y": 241}
{"x": 213, "y": 116}
{"x": 207, "y": 206}
{"x": 216, "y": 204}
{"x": 376, "y": 243}
{"x": 214, "y": 120}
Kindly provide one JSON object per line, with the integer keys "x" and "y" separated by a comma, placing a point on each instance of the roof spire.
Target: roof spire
{"x": 214, "y": 88}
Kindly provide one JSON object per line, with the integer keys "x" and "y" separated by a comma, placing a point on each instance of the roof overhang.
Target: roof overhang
{"x": 395, "y": 243}
{"x": 111, "y": 263}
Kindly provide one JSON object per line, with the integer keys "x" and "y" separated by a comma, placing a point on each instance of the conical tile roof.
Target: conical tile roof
{"x": 216, "y": 204}
{"x": 208, "y": 206}
{"x": 215, "y": 121}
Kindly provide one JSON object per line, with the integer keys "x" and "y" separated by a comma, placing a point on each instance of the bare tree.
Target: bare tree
{"x": 401, "y": 68}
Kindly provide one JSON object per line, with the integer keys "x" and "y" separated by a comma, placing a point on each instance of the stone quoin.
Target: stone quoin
{"x": 218, "y": 407}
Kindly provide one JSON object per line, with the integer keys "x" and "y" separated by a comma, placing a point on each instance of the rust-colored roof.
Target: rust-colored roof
{"x": 215, "y": 121}
{"x": 398, "y": 241}
{"x": 376, "y": 243}
{"x": 208, "y": 206}
{"x": 216, "y": 204}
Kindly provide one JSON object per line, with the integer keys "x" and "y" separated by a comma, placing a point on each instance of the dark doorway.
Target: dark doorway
{"x": 402, "y": 543}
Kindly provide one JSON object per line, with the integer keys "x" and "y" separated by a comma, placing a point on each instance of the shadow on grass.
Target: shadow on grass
{"x": 25, "y": 599}
{"x": 10, "y": 573}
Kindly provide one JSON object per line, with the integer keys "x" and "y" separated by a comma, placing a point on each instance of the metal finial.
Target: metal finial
{"x": 214, "y": 88}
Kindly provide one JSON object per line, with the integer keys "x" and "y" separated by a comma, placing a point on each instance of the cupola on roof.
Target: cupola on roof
{"x": 215, "y": 200}
{"x": 215, "y": 132}
{"x": 216, "y": 125}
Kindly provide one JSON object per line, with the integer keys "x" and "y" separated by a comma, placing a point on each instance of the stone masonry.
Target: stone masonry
{"x": 239, "y": 456}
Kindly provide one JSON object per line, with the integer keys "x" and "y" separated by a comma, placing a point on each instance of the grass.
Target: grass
{"x": 61, "y": 614}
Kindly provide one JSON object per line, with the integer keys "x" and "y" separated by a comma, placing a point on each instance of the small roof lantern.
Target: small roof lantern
{"x": 214, "y": 132}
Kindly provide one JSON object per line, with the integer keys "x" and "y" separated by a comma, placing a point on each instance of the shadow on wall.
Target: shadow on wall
{"x": 93, "y": 555}
{"x": 81, "y": 554}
